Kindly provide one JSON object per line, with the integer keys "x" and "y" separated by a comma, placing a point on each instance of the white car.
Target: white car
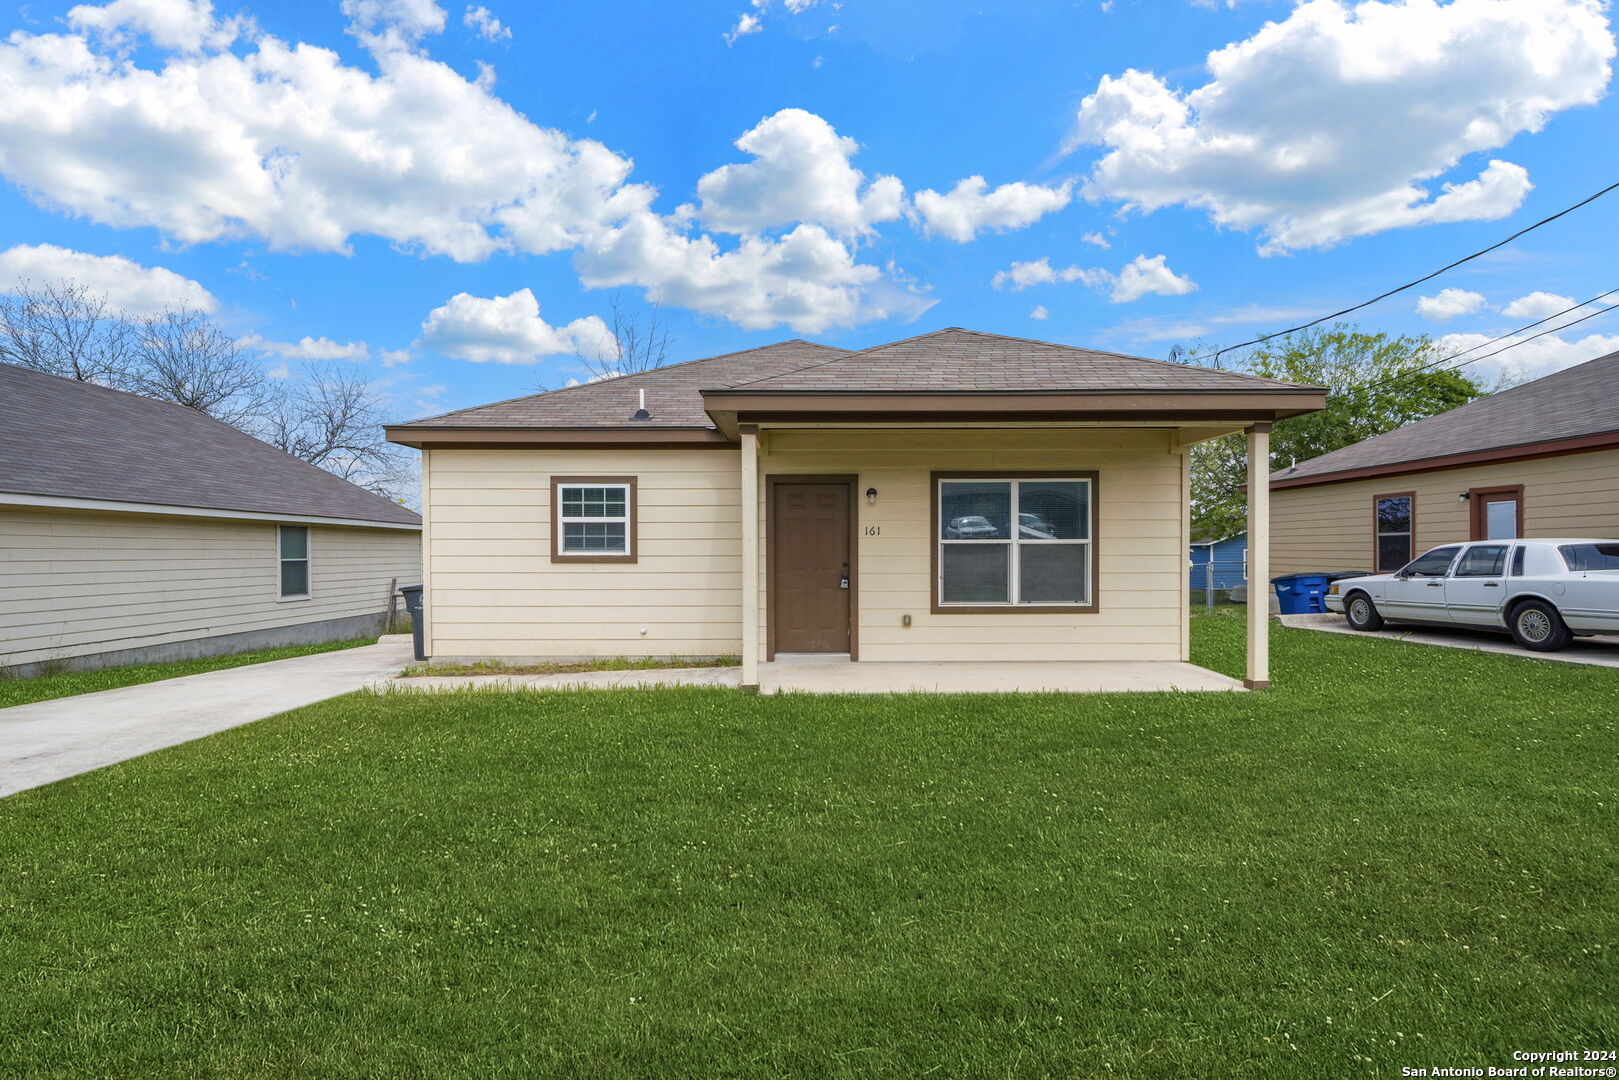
{"x": 1544, "y": 592}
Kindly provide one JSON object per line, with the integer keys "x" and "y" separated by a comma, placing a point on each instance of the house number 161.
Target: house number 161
{"x": 874, "y": 530}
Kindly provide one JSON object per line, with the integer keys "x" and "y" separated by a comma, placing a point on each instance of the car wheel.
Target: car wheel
{"x": 1362, "y": 613}
{"x": 1536, "y": 625}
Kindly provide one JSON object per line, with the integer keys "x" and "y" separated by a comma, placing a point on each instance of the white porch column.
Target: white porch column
{"x": 1258, "y": 557}
{"x": 750, "y": 555}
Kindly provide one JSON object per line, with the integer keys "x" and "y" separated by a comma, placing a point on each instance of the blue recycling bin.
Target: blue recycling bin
{"x": 1301, "y": 594}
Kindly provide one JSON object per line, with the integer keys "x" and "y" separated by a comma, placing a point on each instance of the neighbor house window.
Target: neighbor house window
{"x": 293, "y": 548}
{"x": 1015, "y": 542}
{"x": 593, "y": 519}
{"x": 1394, "y": 517}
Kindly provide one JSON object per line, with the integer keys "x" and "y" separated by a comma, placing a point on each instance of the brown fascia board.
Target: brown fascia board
{"x": 1581, "y": 444}
{"x": 726, "y": 406}
{"x": 547, "y": 438}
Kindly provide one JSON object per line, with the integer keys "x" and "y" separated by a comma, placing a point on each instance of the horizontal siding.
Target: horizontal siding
{"x": 75, "y": 583}
{"x": 495, "y": 591}
{"x": 1141, "y": 554}
{"x": 1330, "y": 527}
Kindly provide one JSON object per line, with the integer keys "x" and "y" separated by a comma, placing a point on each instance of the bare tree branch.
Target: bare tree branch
{"x": 333, "y": 418}
{"x": 181, "y": 356}
{"x": 636, "y": 343}
{"x": 63, "y": 328}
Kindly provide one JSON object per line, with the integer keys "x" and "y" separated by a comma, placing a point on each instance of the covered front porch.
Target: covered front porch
{"x": 852, "y": 529}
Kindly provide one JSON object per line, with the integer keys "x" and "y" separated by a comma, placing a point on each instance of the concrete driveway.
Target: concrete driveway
{"x": 50, "y": 740}
{"x": 1601, "y": 650}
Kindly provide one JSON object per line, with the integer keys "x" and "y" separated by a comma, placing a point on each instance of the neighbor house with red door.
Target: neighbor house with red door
{"x": 1541, "y": 459}
{"x": 956, "y": 496}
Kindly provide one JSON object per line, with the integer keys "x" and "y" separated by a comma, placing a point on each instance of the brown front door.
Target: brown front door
{"x": 1497, "y": 513}
{"x": 810, "y": 579}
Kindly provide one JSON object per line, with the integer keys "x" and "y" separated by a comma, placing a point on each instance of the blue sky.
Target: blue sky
{"x": 453, "y": 194}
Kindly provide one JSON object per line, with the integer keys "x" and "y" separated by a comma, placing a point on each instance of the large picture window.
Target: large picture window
{"x": 1015, "y": 542}
{"x": 593, "y": 519}
{"x": 1395, "y": 517}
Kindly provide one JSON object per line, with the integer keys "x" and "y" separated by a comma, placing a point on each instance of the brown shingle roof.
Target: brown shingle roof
{"x": 945, "y": 360}
{"x": 954, "y": 360}
{"x": 1575, "y": 402}
{"x": 672, "y": 393}
{"x": 76, "y": 440}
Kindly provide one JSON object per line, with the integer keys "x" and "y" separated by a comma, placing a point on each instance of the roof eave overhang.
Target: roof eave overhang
{"x": 728, "y": 408}
{"x": 554, "y": 438}
{"x": 1522, "y": 452}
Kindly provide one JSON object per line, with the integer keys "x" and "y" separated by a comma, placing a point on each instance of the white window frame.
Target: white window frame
{"x": 308, "y": 560}
{"x": 1015, "y": 567}
{"x": 627, "y": 519}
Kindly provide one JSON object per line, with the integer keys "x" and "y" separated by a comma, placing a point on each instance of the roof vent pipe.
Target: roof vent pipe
{"x": 641, "y": 413}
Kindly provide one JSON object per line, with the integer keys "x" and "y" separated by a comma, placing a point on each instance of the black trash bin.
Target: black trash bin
{"x": 413, "y": 604}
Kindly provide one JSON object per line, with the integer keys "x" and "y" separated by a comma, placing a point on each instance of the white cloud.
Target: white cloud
{"x": 481, "y": 21}
{"x": 280, "y": 371}
{"x": 1530, "y": 360}
{"x": 1329, "y": 123}
{"x": 746, "y": 23}
{"x": 394, "y": 357}
{"x": 807, "y": 279}
{"x": 290, "y": 145}
{"x": 1142, "y": 276}
{"x": 1449, "y": 304}
{"x": 182, "y": 25}
{"x": 127, "y": 285}
{"x": 971, "y": 207}
{"x": 800, "y": 172}
{"x": 1021, "y": 275}
{"x": 1139, "y": 277}
{"x": 508, "y": 330}
{"x": 308, "y": 348}
{"x": 1096, "y": 239}
{"x": 286, "y": 144}
{"x": 1538, "y": 305}
{"x": 1039, "y": 312}
{"x": 388, "y": 24}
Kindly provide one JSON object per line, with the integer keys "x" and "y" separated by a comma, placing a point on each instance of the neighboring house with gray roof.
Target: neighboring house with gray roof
{"x": 135, "y": 530}
{"x": 953, "y": 496}
{"x": 1541, "y": 459}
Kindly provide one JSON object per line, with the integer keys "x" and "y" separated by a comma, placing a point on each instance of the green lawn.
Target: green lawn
{"x": 68, "y": 683}
{"x": 1401, "y": 856}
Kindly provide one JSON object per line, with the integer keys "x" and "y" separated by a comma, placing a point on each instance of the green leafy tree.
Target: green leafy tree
{"x": 1375, "y": 383}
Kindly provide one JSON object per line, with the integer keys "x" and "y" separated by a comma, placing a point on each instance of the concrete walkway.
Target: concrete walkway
{"x": 1601, "y": 650}
{"x": 800, "y": 676}
{"x": 50, "y": 740}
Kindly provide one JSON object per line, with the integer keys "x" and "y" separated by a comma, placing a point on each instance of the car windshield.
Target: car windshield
{"x": 1583, "y": 557}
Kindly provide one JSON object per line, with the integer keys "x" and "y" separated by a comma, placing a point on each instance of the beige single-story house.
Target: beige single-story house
{"x": 134, "y": 530}
{"x": 957, "y": 496}
{"x": 1541, "y": 459}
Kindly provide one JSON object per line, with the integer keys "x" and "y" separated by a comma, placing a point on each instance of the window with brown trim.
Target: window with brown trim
{"x": 1010, "y": 542}
{"x": 593, "y": 519}
{"x": 1394, "y": 528}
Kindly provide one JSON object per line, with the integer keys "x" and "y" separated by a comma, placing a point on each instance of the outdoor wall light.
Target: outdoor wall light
{"x": 871, "y": 495}
{"x": 1464, "y": 496}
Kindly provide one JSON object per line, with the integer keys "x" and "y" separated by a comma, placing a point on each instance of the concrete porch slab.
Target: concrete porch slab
{"x": 1601, "y": 650}
{"x": 903, "y": 677}
{"x": 800, "y": 675}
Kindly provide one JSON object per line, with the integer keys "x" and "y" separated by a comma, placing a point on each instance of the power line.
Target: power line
{"x": 1413, "y": 284}
{"x": 1432, "y": 364}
